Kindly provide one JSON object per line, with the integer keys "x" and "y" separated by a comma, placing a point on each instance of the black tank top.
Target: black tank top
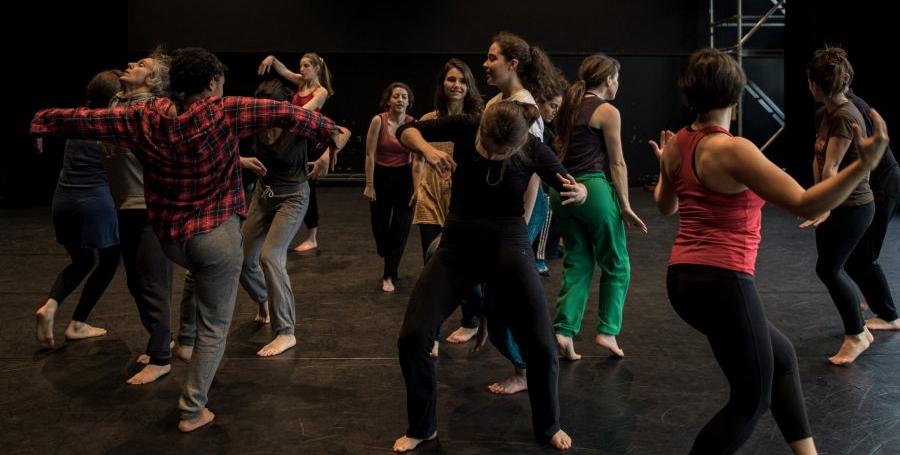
{"x": 587, "y": 146}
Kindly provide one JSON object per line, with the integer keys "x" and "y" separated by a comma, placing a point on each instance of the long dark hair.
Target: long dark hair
{"x": 322, "y": 71}
{"x": 593, "y": 72}
{"x": 472, "y": 104}
{"x": 537, "y": 73}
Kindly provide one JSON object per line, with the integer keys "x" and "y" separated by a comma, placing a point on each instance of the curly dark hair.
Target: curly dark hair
{"x": 192, "y": 69}
{"x": 472, "y": 104}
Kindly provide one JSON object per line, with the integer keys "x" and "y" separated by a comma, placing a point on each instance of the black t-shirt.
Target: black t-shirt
{"x": 483, "y": 188}
{"x": 885, "y": 178}
{"x": 284, "y": 159}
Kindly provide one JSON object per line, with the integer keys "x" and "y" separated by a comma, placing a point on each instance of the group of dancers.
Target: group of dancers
{"x": 152, "y": 173}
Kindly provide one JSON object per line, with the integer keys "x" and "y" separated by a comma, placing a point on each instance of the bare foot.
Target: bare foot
{"x": 387, "y": 285}
{"x": 566, "y": 348}
{"x": 280, "y": 344}
{"x": 406, "y": 443}
{"x": 513, "y": 384}
{"x": 44, "y": 316}
{"x": 149, "y": 374}
{"x": 863, "y": 305}
{"x": 307, "y": 246}
{"x": 853, "y": 346}
{"x": 609, "y": 342}
{"x": 81, "y": 330}
{"x": 143, "y": 359}
{"x": 561, "y": 441}
{"x": 262, "y": 316}
{"x": 435, "y": 350}
{"x": 461, "y": 335}
{"x": 187, "y": 426}
{"x": 184, "y": 353}
{"x": 881, "y": 324}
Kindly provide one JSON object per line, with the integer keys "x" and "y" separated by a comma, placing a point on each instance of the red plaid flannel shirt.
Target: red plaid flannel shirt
{"x": 192, "y": 175}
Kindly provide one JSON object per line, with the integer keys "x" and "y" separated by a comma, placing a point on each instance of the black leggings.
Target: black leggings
{"x": 836, "y": 239}
{"x": 311, "y": 219}
{"x": 863, "y": 265}
{"x": 391, "y": 215}
{"x": 496, "y": 252}
{"x": 758, "y": 361}
{"x": 74, "y": 273}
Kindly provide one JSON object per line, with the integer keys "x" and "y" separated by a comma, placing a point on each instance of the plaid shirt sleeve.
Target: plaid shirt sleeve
{"x": 248, "y": 115}
{"x": 119, "y": 126}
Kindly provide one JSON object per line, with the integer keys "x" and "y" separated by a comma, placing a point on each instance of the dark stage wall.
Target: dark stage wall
{"x": 368, "y": 45}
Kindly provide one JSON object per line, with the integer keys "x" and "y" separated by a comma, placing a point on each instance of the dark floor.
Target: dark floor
{"x": 340, "y": 390}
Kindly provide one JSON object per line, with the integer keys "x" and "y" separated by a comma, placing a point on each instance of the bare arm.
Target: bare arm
{"x": 318, "y": 100}
{"x": 746, "y": 164}
{"x": 530, "y": 196}
{"x": 371, "y": 147}
{"x": 271, "y": 62}
{"x": 610, "y": 122}
{"x": 834, "y": 154}
{"x": 664, "y": 192}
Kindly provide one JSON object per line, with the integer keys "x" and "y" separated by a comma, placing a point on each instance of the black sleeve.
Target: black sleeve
{"x": 450, "y": 128}
{"x": 546, "y": 164}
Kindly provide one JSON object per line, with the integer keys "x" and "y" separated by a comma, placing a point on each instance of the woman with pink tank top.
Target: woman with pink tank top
{"x": 389, "y": 187}
{"x": 718, "y": 184}
{"x": 313, "y": 89}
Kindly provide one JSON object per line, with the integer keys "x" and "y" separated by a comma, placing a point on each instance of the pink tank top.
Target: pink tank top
{"x": 302, "y": 100}
{"x": 390, "y": 153}
{"x": 716, "y": 229}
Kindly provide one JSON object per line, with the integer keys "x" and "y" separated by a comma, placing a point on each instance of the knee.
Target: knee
{"x": 827, "y": 271}
{"x": 271, "y": 260}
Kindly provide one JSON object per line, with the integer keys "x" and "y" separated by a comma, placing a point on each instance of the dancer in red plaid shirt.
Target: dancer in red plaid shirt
{"x": 193, "y": 187}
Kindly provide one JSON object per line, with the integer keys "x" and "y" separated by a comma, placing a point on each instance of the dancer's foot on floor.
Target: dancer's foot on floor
{"x": 149, "y": 373}
{"x": 81, "y": 330}
{"x": 561, "y": 441}
{"x": 307, "y": 246}
{"x": 609, "y": 342}
{"x": 406, "y": 443}
{"x": 516, "y": 383}
{"x": 184, "y": 353}
{"x": 262, "y": 315}
{"x": 387, "y": 285}
{"x": 435, "y": 350}
{"x": 881, "y": 324}
{"x": 44, "y": 316}
{"x": 187, "y": 426}
{"x": 280, "y": 344}
{"x": 852, "y": 347}
{"x": 566, "y": 348}
{"x": 462, "y": 335}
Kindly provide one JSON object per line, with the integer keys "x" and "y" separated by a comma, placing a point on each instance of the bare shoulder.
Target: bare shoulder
{"x": 429, "y": 116}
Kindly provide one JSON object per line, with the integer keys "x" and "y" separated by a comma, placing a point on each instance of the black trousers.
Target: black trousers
{"x": 497, "y": 253}
{"x": 391, "y": 215}
{"x": 74, "y": 274}
{"x": 836, "y": 239}
{"x": 148, "y": 274}
{"x": 863, "y": 265}
{"x": 757, "y": 359}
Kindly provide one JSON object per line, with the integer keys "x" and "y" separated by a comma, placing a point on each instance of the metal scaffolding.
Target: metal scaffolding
{"x": 774, "y": 17}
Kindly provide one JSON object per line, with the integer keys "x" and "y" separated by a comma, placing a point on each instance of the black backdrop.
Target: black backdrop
{"x": 368, "y": 44}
